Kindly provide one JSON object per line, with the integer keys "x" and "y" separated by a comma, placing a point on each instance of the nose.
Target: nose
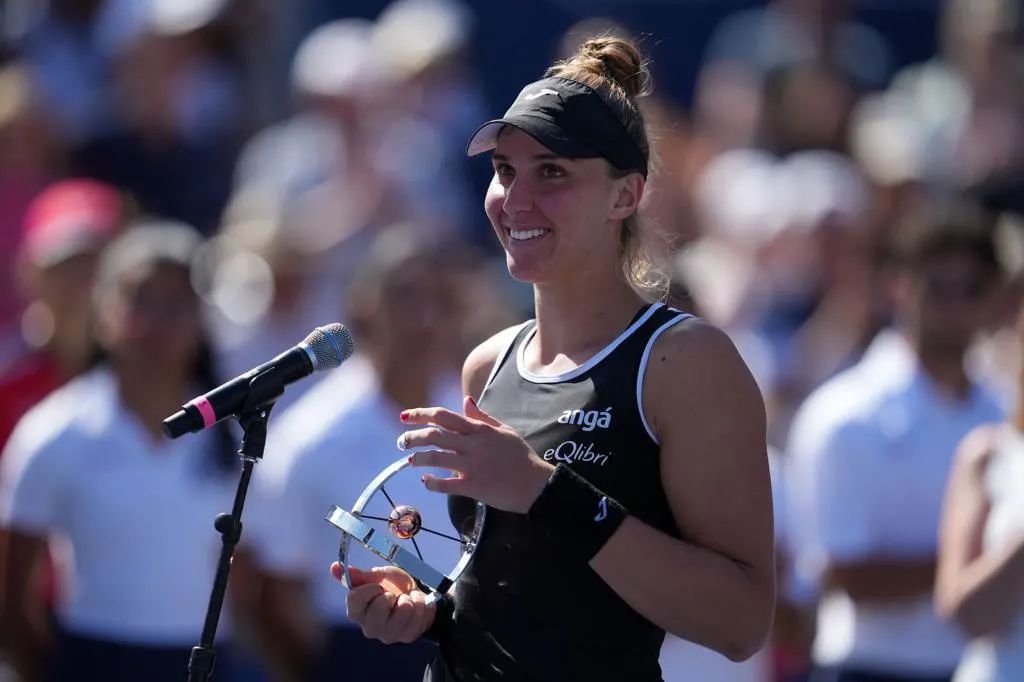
{"x": 518, "y": 198}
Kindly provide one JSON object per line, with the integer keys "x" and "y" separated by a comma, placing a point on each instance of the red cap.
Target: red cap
{"x": 68, "y": 218}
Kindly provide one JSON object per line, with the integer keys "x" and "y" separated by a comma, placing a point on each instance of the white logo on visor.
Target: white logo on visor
{"x": 539, "y": 93}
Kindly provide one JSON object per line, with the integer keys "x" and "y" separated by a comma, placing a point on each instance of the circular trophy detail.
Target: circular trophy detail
{"x": 404, "y": 522}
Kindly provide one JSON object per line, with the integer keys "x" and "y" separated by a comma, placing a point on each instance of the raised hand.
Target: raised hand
{"x": 490, "y": 462}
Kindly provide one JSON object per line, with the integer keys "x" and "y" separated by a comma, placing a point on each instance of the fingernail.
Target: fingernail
{"x": 423, "y": 479}
{"x": 404, "y": 416}
{"x": 472, "y": 400}
{"x": 401, "y": 442}
{"x": 409, "y": 459}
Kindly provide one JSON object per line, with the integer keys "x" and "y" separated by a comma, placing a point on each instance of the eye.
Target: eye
{"x": 550, "y": 170}
{"x": 504, "y": 171}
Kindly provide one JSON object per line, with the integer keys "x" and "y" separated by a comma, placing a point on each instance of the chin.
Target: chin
{"x": 524, "y": 272}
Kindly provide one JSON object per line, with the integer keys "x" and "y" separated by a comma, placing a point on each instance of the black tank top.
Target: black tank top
{"x": 524, "y": 608}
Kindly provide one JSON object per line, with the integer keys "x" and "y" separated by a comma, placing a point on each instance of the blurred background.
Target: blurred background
{"x": 839, "y": 185}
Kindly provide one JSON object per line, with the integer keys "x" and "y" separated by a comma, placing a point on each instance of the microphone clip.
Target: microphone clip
{"x": 254, "y": 431}
{"x": 264, "y": 388}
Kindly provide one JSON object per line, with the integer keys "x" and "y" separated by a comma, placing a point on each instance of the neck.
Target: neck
{"x": 150, "y": 399}
{"x": 945, "y": 367}
{"x": 70, "y": 357}
{"x": 68, "y": 346}
{"x": 578, "y": 319}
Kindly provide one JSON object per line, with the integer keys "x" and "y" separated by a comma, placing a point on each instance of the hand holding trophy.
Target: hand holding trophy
{"x": 396, "y": 603}
{"x": 388, "y": 603}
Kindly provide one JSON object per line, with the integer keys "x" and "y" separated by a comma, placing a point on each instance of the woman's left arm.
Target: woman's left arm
{"x": 715, "y": 587}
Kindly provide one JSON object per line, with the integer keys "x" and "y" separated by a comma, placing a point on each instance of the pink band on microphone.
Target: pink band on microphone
{"x": 205, "y": 411}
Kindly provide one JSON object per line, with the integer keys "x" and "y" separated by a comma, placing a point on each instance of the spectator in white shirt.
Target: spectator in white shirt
{"x": 871, "y": 451}
{"x": 127, "y": 514}
{"x": 333, "y": 441}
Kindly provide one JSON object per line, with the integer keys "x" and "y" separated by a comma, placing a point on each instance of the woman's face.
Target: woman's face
{"x": 412, "y": 321}
{"x": 65, "y": 289}
{"x": 151, "y": 318}
{"x": 953, "y": 298}
{"x": 555, "y": 217}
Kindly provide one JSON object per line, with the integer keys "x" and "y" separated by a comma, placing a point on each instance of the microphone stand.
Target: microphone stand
{"x": 263, "y": 391}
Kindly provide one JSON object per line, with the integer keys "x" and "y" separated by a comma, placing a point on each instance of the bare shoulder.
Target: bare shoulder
{"x": 694, "y": 350}
{"x": 478, "y": 364}
{"x": 694, "y": 369}
{"x": 975, "y": 450}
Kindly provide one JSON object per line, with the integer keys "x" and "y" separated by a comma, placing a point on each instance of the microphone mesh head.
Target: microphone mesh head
{"x": 331, "y": 345}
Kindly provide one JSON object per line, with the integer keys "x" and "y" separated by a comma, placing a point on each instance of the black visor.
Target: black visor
{"x": 570, "y": 119}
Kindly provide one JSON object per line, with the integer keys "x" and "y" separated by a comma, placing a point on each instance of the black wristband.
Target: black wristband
{"x": 442, "y": 618}
{"x": 575, "y": 514}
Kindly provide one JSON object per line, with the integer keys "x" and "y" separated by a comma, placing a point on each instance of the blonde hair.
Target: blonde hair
{"x": 614, "y": 67}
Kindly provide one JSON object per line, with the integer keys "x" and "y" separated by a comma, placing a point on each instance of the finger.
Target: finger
{"x": 359, "y": 576}
{"x": 442, "y": 459}
{"x": 358, "y": 600}
{"x": 430, "y": 437}
{"x": 391, "y": 578}
{"x": 473, "y": 411}
{"x": 398, "y": 581}
{"x": 417, "y": 624}
{"x": 337, "y": 572}
{"x": 399, "y": 619}
{"x": 452, "y": 485}
{"x": 377, "y": 614}
{"x": 362, "y": 577}
{"x": 445, "y": 418}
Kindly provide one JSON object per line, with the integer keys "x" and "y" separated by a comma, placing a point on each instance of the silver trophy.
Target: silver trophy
{"x": 390, "y": 537}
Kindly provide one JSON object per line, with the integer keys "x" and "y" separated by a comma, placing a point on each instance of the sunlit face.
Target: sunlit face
{"x": 953, "y": 298}
{"x": 556, "y": 217}
{"x": 65, "y": 288}
{"x": 411, "y": 323}
{"x": 151, "y": 318}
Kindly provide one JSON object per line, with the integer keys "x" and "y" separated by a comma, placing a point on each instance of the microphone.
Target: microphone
{"x": 325, "y": 348}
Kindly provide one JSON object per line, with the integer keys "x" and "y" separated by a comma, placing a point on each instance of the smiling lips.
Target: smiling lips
{"x": 524, "y": 235}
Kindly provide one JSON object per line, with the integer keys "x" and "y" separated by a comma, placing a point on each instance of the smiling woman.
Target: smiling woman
{"x": 616, "y": 440}
{"x": 584, "y": 111}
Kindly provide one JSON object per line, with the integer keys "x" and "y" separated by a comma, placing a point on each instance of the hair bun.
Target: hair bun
{"x": 617, "y": 60}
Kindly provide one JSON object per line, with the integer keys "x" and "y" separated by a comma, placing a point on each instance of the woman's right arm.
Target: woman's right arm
{"x": 23, "y": 617}
{"x": 980, "y": 591}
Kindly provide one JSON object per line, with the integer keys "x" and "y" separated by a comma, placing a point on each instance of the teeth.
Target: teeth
{"x": 527, "y": 234}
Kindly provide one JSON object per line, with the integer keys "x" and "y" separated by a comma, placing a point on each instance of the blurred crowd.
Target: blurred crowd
{"x": 186, "y": 190}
